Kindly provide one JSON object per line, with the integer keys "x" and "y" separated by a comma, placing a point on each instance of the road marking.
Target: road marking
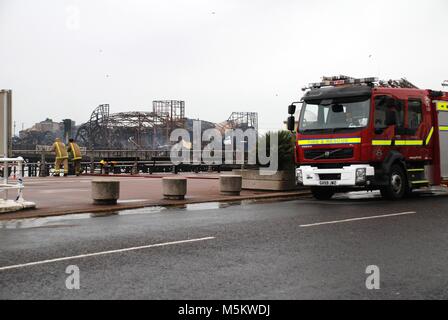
{"x": 17, "y": 266}
{"x": 357, "y": 219}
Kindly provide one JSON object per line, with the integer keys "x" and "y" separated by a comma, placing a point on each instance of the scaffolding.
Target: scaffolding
{"x": 169, "y": 115}
{"x": 243, "y": 120}
{"x": 95, "y": 133}
{"x": 133, "y": 129}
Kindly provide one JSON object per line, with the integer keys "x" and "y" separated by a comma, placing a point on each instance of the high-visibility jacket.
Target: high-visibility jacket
{"x": 59, "y": 149}
{"x": 74, "y": 150}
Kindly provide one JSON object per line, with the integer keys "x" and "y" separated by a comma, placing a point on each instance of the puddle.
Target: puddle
{"x": 103, "y": 214}
{"x": 70, "y": 220}
{"x": 376, "y": 195}
{"x": 146, "y": 210}
{"x": 42, "y": 222}
{"x": 357, "y": 195}
{"x": 132, "y": 201}
{"x": 206, "y": 206}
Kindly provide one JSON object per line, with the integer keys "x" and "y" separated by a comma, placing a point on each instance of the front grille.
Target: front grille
{"x": 330, "y": 176}
{"x": 323, "y": 154}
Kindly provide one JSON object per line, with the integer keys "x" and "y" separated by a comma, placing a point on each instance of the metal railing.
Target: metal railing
{"x": 151, "y": 162}
{"x": 5, "y": 186}
{"x": 34, "y": 169}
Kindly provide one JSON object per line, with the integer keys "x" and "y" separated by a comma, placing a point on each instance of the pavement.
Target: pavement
{"x": 61, "y": 196}
{"x": 301, "y": 249}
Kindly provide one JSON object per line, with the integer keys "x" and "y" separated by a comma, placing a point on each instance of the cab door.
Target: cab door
{"x": 415, "y": 131}
{"x": 388, "y": 120}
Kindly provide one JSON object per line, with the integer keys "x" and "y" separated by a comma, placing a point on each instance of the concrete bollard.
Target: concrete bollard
{"x": 105, "y": 191}
{"x": 174, "y": 188}
{"x": 230, "y": 185}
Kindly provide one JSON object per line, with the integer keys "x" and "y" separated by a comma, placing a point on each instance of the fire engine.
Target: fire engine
{"x": 366, "y": 134}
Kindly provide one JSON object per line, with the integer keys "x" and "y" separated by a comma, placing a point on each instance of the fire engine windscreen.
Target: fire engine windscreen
{"x": 334, "y": 115}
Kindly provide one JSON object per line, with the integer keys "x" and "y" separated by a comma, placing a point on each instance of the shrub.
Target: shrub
{"x": 285, "y": 148}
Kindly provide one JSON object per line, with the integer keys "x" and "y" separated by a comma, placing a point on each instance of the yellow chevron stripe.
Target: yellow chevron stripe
{"x": 428, "y": 139}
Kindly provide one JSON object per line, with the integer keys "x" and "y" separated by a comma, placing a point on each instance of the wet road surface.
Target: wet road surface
{"x": 301, "y": 249}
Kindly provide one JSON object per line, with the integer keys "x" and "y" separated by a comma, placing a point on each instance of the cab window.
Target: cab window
{"x": 415, "y": 114}
{"x": 388, "y": 112}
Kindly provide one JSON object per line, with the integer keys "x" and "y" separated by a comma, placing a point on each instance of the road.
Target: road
{"x": 301, "y": 249}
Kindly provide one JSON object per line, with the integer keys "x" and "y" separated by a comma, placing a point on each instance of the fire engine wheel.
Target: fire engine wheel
{"x": 398, "y": 185}
{"x": 322, "y": 193}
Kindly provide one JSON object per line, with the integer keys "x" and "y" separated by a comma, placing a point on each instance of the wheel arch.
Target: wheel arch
{"x": 394, "y": 157}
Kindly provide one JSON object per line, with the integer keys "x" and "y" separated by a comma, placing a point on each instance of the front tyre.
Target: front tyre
{"x": 322, "y": 193}
{"x": 398, "y": 185}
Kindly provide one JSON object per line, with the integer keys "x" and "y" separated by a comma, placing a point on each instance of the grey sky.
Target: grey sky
{"x": 218, "y": 56}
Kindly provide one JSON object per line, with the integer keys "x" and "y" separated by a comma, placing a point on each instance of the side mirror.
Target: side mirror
{"x": 292, "y": 109}
{"x": 291, "y": 123}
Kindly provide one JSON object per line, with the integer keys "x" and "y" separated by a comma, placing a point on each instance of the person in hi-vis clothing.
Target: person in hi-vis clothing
{"x": 61, "y": 158}
{"x": 74, "y": 152}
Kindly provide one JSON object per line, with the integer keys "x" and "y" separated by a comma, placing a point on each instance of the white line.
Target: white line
{"x": 103, "y": 253}
{"x": 357, "y": 219}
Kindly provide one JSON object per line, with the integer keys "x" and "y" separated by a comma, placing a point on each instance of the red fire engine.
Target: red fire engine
{"x": 356, "y": 134}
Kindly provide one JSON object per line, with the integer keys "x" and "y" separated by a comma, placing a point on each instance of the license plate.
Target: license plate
{"x": 328, "y": 183}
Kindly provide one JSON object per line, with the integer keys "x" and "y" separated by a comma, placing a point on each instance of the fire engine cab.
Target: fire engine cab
{"x": 366, "y": 134}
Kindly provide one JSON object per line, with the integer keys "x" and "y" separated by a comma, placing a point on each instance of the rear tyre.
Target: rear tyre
{"x": 322, "y": 193}
{"x": 397, "y": 187}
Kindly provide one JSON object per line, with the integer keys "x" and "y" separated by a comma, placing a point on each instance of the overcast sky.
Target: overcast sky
{"x": 62, "y": 58}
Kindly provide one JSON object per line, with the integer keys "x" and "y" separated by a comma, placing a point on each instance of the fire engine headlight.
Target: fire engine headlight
{"x": 299, "y": 176}
{"x": 360, "y": 175}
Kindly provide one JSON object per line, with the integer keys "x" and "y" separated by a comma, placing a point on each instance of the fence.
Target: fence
{"x": 154, "y": 161}
{"x": 5, "y": 186}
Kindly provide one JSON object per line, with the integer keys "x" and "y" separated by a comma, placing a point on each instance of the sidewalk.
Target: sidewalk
{"x": 60, "y": 196}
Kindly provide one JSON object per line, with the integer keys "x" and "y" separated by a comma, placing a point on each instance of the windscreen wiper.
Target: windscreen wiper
{"x": 314, "y": 130}
{"x": 343, "y": 129}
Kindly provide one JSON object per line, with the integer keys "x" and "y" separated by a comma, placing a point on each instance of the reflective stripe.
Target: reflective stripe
{"x": 381, "y": 142}
{"x": 397, "y": 143}
{"x": 443, "y": 128}
{"x": 428, "y": 139}
{"x": 329, "y": 141}
{"x": 442, "y": 105}
{"x": 416, "y": 170}
{"x": 75, "y": 151}
{"x": 422, "y": 181}
{"x": 59, "y": 151}
{"x": 408, "y": 142}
